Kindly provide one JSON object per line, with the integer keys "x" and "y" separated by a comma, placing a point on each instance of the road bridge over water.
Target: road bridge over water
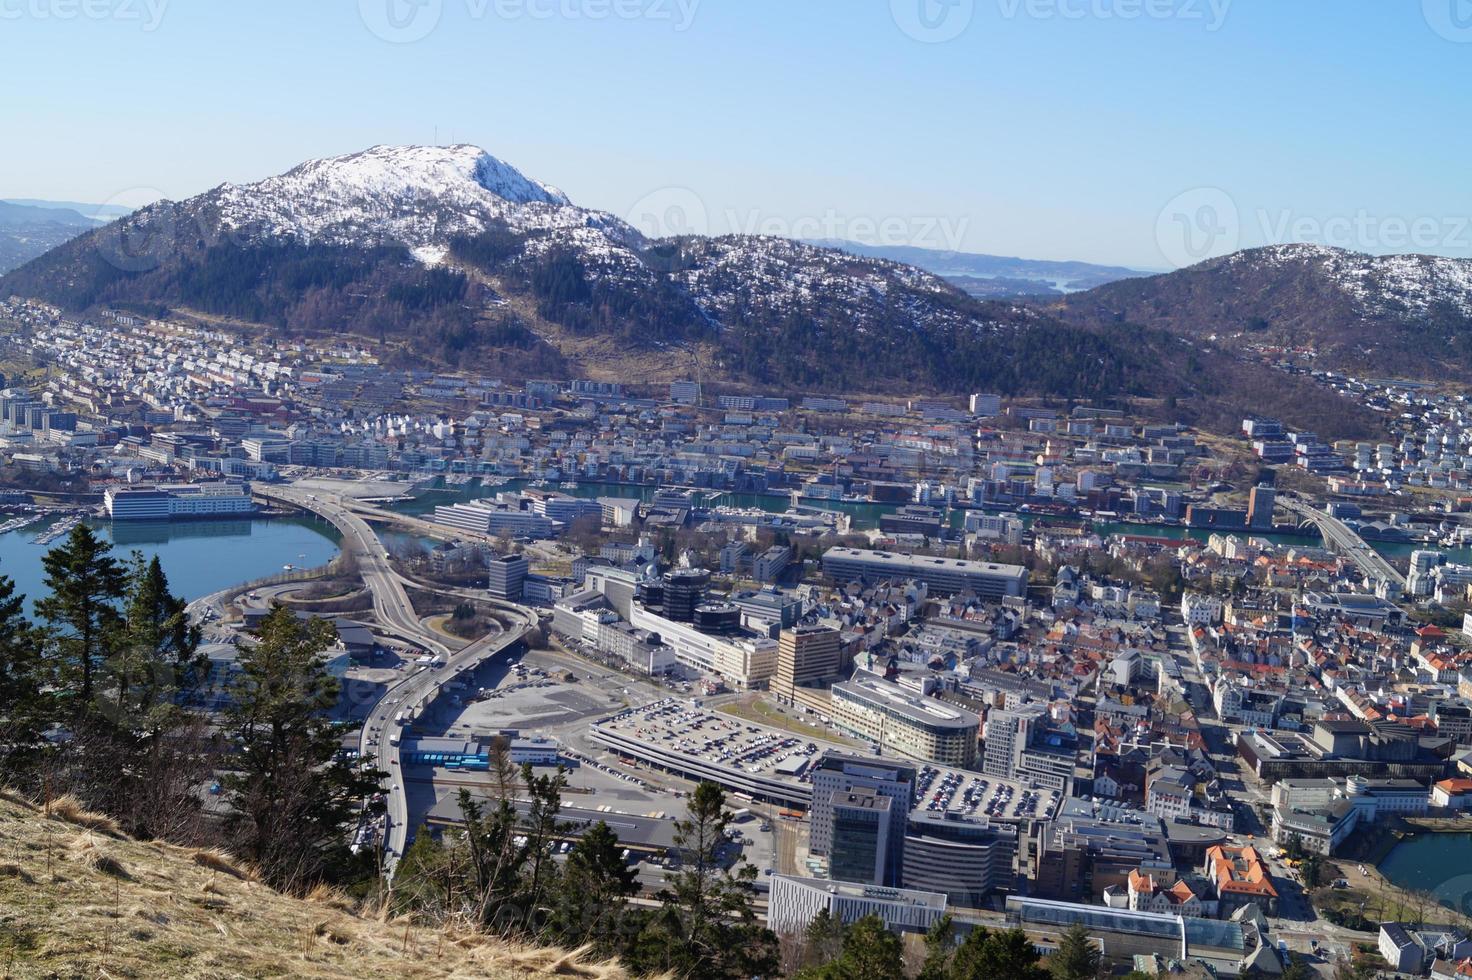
{"x": 1342, "y": 539}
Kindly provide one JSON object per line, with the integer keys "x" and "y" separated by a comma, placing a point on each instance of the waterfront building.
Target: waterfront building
{"x": 173, "y": 502}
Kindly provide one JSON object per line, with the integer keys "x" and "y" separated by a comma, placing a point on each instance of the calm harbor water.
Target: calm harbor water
{"x": 199, "y": 557}
{"x": 865, "y": 515}
{"x": 1437, "y": 863}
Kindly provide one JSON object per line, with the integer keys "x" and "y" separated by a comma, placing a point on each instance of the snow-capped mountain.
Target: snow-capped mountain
{"x": 426, "y": 199}
{"x": 421, "y": 197}
{"x": 1381, "y": 285}
{"x": 1403, "y": 314}
{"x": 449, "y": 255}
{"x": 414, "y": 195}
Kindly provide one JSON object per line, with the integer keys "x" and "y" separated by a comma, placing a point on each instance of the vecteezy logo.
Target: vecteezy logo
{"x": 933, "y": 21}
{"x": 401, "y": 21}
{"x": 1197, "y": 225}
{"x": 670, "y": 212}
{"x": 1452, "y": 19}
{"x": 1455, "y": 893}
{"x": 143, "y": 240}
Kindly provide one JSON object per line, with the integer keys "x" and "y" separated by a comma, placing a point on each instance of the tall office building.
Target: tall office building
{"x": 807, "y": 656}
{"x": 508, "y": 577}
{"x": 684, "y": 589}
{"x": 1260, "y": 508}
{"x": 837, "y": 775}
{"x": 1008, "y": 733}
{"x": 1020, "y": 747}
{"x": 861, "y": 829}
{"x": 966, "y": 860}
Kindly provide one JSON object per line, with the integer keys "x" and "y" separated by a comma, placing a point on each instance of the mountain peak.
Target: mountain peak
{"x": 417, "y": 195}
{"x": 431, "y": 168}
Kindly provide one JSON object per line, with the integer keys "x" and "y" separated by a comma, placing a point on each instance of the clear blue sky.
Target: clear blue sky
{"x": 1045, "y": 128}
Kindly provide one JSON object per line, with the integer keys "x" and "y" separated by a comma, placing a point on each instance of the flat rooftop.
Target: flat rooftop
{"x": 900, "y": 560}
{"x": 916, "y": 708}
{"x": 674, "y": 733}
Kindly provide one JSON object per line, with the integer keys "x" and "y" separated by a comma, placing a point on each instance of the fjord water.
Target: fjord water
{"x": 199, "y": 557}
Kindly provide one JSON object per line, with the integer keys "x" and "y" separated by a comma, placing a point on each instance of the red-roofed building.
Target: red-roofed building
{"x": 1148, "y": 894}
{"x": 1452, "y": 794}
{"x": 1241, "y": 878}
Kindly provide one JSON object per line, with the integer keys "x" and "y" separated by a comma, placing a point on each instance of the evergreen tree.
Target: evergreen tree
{"x": 154, "y": 752}
{"x": 154, "y": 655}
{"x": 708, "y": 928}
{"x": 426, "y": 879}
{"x": 159, "y": 628}
{"x": 823, "y": 938}
{"x": 596, "y": 885}
{"x": 1077, "y": 957}
{"x": 939, "y": 948}
{"x": 1312, "y": 869}
{"x": 85, "y": 583}
{"x": 869, "y": 952}
{"x": 541, "y": 829}
{"x": 1008, "y": 955}
{"x": 292, "y": 796}
{"x": 22, "y": 709}
{"x": 494, "y": 859}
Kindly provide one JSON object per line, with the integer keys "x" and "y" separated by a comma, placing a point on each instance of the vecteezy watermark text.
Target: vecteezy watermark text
{"x": 937, "y": 21}
{"x": 148, "y": 14}
{"x": 674, "y": 211}
{"x": 1210, "y": 13}
{"x": 407, "y": 21}
{"x": 944, "y": 234}
{"x": 1206, "y": 221}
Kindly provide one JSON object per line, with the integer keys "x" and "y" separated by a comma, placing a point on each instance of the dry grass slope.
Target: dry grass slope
{"x": 77, "y": 899}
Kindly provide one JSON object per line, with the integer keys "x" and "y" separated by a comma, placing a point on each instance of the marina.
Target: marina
{"x": 199, "y": 557}
{"x": 60, "y": 529}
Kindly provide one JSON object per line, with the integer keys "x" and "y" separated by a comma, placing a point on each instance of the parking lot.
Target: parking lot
{"x": 720, "y": 739}
{"x": 746, "y": 748}
{"x": 959, "y": 794}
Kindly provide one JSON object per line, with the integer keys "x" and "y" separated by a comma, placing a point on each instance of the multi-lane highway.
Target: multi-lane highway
{"x": 391, "y": 603}
{"x": 411, "y": 696}
{"x": 1342, "y": 539}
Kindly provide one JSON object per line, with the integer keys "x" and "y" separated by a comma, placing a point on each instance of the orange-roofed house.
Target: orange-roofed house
{"x": 1241, "y": 878}
{"x": 1452, "y": 794}
{"x": 1150, "y": 894}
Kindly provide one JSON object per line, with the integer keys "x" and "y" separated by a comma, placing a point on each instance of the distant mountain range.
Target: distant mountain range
{"x": 99, "y": 212}
{"x": 451, "y": 257}
{"x": 994, "y": 276}
{"x": 31, "y": 229}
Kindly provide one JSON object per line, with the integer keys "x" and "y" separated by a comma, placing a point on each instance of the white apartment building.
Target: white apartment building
{"x": 744, "y": 662}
